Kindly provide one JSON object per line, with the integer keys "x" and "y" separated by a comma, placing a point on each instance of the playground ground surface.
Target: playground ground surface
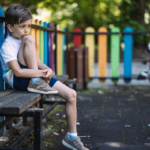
{"x": 117, "y": 118}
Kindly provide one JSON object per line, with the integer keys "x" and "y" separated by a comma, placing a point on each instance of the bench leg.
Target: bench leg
{"x": 41, "y": 102}
{"x": 37, "y": 130}
{"x": 25, "y": 121}
{"x": 75, "y": 87}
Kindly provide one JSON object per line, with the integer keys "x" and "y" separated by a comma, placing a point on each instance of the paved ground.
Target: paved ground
{"x": 115, "y": 120}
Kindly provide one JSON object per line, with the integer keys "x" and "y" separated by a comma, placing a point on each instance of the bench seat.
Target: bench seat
{"x": 16, "y": 102}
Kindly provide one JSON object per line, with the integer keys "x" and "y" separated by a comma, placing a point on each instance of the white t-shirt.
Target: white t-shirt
{"x": 9, "y": 51}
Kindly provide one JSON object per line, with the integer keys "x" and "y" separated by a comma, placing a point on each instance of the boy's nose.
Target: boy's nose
{"x": 26, "y": 31}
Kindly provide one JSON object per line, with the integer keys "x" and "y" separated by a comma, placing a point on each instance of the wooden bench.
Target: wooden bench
{"x": 15, "y": 103}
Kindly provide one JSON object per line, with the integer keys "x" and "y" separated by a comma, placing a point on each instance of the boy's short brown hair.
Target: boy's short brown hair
{"x": 17, "y": 14}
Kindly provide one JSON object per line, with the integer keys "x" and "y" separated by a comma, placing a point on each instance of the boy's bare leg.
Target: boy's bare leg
{"x": 27, "y": 57}
{"x": 27, "y": 52}
{"x": 71, "y": 111}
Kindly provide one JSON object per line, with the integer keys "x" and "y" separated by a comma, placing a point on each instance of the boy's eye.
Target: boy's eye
{"x": 22, "y": 27}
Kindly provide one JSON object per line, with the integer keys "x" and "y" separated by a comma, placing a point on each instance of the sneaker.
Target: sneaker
{"x": 144, "y": 74}
{"x": 74, "y": 144}
{"x": 41, "y": 87}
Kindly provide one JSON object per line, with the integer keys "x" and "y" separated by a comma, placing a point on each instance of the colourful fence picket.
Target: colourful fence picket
{"x": 32, "y": 30}
{"x": 90, "y": 43}
{"x": 61, "y": 46}
{"x": 51, "y": 59}
{"x": 63, "y": 50}
{"x": 115, "y": 54}
{"x": 48, "y": 45}
{"x": 37, "y": 37}
{"x": 127, "y": 57}
{"x": 102, "y": 53}
{"x": 1, "y": 80}
{"x": 45, "y": 45}
{"x": 41, "y": 43}
{"x": 77, "y": 38}
{"x": 59, "y": 51}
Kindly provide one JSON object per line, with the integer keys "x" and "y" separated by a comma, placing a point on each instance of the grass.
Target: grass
{"x": 143, "y": 125}
{"x": 123, "y": 137}
{"x": 119, "y": 102}
{"x": 99, "y": 124}
{"x": 120, "y": 114}
{"x": 137, "y": 108}
{"x": 90, "y": 91}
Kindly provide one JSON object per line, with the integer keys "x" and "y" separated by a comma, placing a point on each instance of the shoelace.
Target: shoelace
{"x": 45, "y": 86}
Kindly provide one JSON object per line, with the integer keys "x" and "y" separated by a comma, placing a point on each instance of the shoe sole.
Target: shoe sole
{"x": 68, "y": 145}
{"x": 41, "y": 92}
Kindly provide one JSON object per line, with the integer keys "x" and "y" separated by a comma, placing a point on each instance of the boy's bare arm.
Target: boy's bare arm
{"x": 25, "y": 73}
{"x": 49, "y": 73}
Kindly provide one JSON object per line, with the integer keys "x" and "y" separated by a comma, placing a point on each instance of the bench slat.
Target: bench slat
{"x": 22, "y": 103}
{"x": 61, "y": 78}
{"x": 7, "y": 99}
{"x": 6, "y": 92}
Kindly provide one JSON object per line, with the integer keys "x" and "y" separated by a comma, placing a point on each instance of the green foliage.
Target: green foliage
{"x": 95, "y": 13}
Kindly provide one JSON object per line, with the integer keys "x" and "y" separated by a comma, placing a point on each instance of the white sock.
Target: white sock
{"x": 35, "y": 79}
{"x": 72, "y": 134}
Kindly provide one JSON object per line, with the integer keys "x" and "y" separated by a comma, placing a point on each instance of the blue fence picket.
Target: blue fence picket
{"x": 1, "y": 80}
{"x": 127, "y": 57}
{"x": 63, "y": 50}
{"x": 45, "y": 45}
{"x": 49, "y": 45}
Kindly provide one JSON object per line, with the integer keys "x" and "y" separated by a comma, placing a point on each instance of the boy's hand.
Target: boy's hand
{"x": 48, "y": 75}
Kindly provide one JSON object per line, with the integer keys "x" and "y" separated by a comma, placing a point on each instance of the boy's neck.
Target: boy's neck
{"x": 13, "y": 36}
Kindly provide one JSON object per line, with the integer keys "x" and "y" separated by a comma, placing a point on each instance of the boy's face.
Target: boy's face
{"x": 19, "y": 30}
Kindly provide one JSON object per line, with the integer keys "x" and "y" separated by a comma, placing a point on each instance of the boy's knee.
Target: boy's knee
{"x": 28, "y": 39}
{"x": 72, "y": 95}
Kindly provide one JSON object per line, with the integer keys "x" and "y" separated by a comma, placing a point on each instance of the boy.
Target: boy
{"x": 22, "y": 69}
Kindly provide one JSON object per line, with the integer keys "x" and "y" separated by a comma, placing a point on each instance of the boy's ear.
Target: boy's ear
{"x": 10, "y": 28}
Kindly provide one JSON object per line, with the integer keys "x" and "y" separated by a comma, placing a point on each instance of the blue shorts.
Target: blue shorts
{"x": 22, "y": 83}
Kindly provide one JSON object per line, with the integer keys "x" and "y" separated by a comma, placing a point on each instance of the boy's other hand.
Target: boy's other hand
{"x": 48, "y": 75}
